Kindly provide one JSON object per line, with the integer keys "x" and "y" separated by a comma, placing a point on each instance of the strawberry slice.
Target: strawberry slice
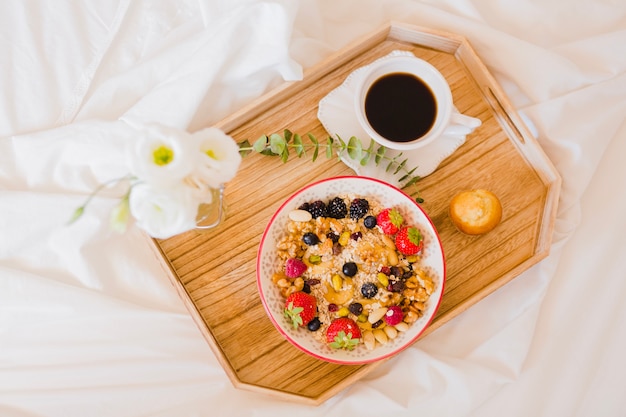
{"x": 300, "y": 308}
{"x": 409, "y": 241}
{"x": 389, "y": 220}
{"x": 343, "y": 333}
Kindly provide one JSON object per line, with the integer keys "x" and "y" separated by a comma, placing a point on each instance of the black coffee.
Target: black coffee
{"x": 400, "y": 107}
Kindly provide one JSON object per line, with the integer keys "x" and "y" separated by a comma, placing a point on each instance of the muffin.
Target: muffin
{"x": 475, "y": 212}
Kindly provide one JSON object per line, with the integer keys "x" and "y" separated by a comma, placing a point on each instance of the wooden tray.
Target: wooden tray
{"x": 214, "y": 271}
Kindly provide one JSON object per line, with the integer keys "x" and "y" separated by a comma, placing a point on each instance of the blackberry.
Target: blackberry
{"x": 316, "y": 208}
{"x": 358, "y": 208}
{"x": 369, "y": 222}
{"x": 337, "y": 208}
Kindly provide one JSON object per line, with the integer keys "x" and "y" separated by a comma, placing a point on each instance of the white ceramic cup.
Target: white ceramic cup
{"x": 447, "y": 120}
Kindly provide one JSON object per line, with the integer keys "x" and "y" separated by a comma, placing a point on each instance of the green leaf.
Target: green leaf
{"x": 312, "y": 138}
{"x": 380, "y": 152}
{"x": 367, "y": 154}
{"x": 244, "y": 147}
{"x": 277, "y": 143}
{"x": 408, "y": 174}
{"x": 329, "y": 147}
{"x": 355, "y": 148}
{"x": 260, "y": 144}
{"x": 298, "y": 146}
{"x": 402, "y": 164}
{"x": 77, "y": 214}
{"x": 287, "y": 134}
{"x": 412, "y": 181}
{"x": 316, "y": 151}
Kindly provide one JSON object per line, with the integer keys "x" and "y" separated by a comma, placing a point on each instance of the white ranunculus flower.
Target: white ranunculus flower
{"x": 164, "y": 212}
{"x": 219, "y": 157}
{"x": 162, "y": 155}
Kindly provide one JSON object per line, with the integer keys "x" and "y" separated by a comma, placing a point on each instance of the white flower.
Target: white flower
{"x": 175, "y": 177}
{"x": 163, "y": 212}
{"x": 162, "y": 155}
{"x": 219, "y": 157}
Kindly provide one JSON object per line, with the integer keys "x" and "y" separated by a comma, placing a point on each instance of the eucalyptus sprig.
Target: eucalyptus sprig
{"x": 278, "y": 145}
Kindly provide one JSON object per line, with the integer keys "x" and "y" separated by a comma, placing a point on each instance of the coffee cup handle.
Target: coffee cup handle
{"x": 461, "y": 124}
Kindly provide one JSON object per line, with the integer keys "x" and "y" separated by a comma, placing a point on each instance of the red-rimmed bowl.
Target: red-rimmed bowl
{"x": 268, "y": 262}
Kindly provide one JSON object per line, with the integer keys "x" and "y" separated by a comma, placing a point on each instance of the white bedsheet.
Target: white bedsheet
{"x": 91, "y": 326}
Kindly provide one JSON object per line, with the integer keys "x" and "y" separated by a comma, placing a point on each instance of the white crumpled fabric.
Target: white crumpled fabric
{"x": 89, "y": 323}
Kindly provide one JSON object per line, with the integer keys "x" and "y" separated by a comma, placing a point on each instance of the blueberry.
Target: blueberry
{"x": 306, "y": 288}
{"x": 310, "y": 239}
{"x": 355, "y": 308}
{"x": 314, "y": 324}
{"x": 369, "y": 222}
{"x": 369, "y": 290}
{"x": 349, "y": 269}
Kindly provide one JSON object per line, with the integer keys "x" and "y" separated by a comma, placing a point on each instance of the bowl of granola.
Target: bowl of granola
{"x": 350, "y": 270}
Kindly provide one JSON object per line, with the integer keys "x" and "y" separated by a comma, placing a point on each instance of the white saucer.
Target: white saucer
{"x": 336, "y": 112}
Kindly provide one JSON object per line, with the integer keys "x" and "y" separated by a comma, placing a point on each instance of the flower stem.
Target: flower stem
{"x": 81, "y": 210}
{"x": 282, "y": 145}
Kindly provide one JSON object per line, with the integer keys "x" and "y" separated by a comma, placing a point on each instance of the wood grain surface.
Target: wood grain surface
{"x": 214, "y": 271}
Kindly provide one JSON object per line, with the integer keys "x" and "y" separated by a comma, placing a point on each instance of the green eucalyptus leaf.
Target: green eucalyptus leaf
{"x": 244, "y": 147}
{"x": 287, "y": 135}
{"x": 380, "y": 153}
{"x": 367, "y": 154}
{"x": 402, "y": 164}
{"x": 355, "y": 148}
{"x": 298, "y": 146}
{"x": 260, "y": 144}
{"x": 329, "y": 147}
{"x": 312, "y": 138}
{"x": 77, "y": 214}
{"x": 412, "y": 181}
{"x": 277, "y": 143}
